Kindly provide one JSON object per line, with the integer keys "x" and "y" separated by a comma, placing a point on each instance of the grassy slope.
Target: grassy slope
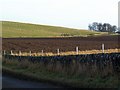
{"x": 15, "y": 29}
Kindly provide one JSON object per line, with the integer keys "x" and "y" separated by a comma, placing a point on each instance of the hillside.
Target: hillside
{"x": 17, "y": 29}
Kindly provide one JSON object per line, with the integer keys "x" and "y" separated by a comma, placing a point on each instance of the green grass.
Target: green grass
{"x": 17, "y": 29}
{"x": 34, "y": 71}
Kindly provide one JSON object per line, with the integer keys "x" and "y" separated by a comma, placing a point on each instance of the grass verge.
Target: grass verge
{"x": 34, "y": 72}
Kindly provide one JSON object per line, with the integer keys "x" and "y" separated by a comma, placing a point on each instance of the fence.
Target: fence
{"x": 93, "y": 61}
{"x": 59, "y": 52}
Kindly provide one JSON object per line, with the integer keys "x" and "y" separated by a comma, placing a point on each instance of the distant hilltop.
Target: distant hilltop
{"x": 16, "y": 29}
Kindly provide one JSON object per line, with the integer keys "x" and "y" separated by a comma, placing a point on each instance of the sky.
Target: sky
{"x": 66, "y": 13}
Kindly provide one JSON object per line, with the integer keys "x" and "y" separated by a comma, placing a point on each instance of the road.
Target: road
{"x": 10, "y": 82}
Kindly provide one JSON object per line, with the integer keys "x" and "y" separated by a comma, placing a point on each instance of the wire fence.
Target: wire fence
{"x": 93, "y": 61}
{"x": 58, "y": 52}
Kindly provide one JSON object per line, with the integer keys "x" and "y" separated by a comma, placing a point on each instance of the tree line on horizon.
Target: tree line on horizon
{"x": 105, "y": 27}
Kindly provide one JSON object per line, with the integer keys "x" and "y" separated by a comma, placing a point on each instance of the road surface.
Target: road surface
{"x": 10, "y": 82}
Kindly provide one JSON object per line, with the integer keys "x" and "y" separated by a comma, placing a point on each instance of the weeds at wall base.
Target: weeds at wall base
{"x": 61, "y": 75}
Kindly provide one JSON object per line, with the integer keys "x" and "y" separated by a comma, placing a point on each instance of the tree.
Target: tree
{"x": 109, "y": 28}
{"x": 105, "y": 27}
{"x": 100, "y": 27}
{"x": 90, "y": 27}
{"x": 94, "y": 25}
{"x": 114, "y": 28}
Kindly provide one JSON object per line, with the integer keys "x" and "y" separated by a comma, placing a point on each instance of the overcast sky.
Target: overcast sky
{"x": 67, "y": 13}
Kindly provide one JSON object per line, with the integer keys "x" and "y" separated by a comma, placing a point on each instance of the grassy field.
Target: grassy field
{"x": 16, "y": 29}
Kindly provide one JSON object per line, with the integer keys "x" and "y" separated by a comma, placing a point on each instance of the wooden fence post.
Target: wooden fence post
{"x": 58, "y": 51}
{"x": 11, "y": 52}
{"x": 42, "y": 52}
{"x": 103, "y": 48}
{"x": 77, "y": 50}
{"x": 20, "y": 53}
{"x": 30, "y": 53}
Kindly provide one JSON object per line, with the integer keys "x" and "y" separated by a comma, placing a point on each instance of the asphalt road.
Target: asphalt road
{"x": 10, "y": 82}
